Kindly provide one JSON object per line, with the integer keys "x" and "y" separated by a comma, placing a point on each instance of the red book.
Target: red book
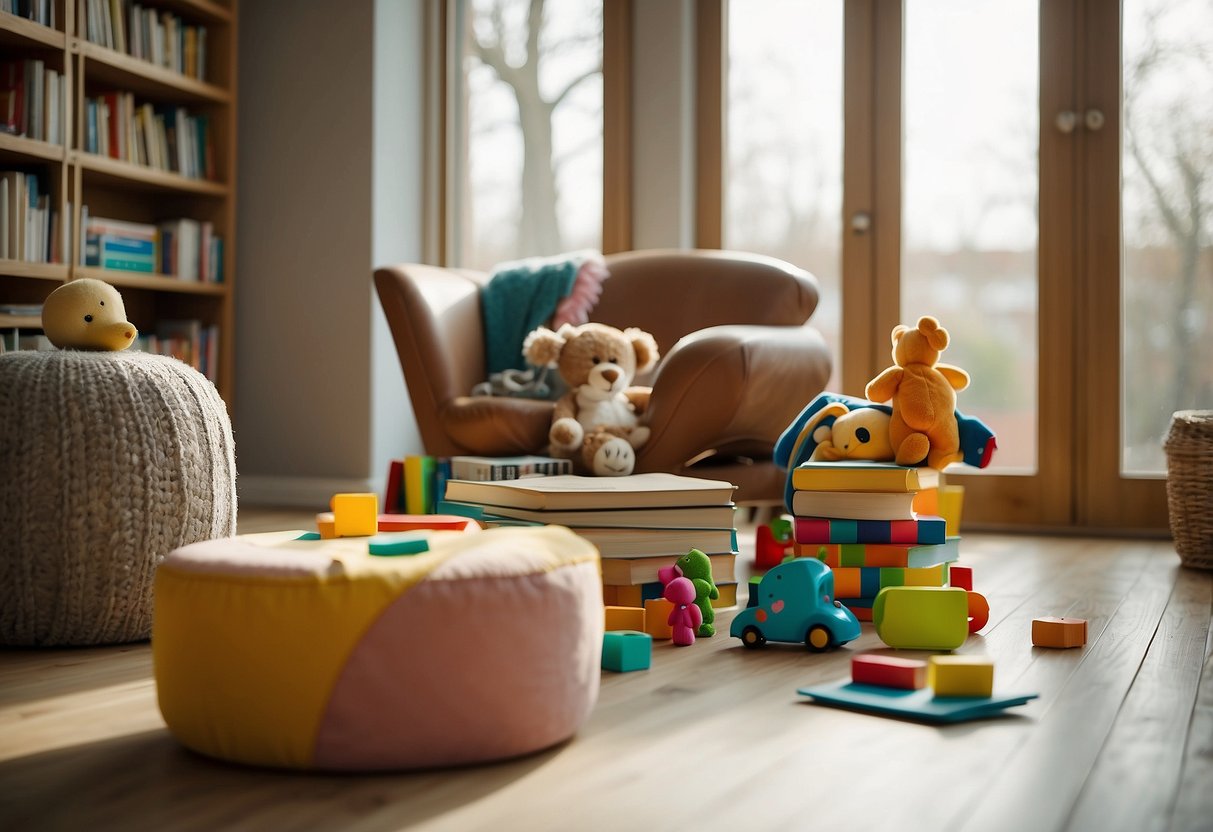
{"x": 393, "y": 500}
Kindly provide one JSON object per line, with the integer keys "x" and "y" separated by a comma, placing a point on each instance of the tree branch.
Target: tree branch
{"x": 568, "y": 88}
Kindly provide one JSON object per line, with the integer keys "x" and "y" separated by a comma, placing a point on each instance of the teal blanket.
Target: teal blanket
{"x": 518, "y": 298}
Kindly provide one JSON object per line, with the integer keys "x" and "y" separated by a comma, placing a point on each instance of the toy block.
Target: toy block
{"x": 888, "y": 671}
{"x": 625, "y": 618}
{"x": 961, "y": 576}
{"x": 405, "y": 543}
{"x": 768, "y": 551}
{"x": 922, "y": 617}
{"x": 309, "y": 536}
{"x": 325, "y": 525}
{"x": 951, "y": 502}
{"x": 657, "y": 618}
{"x": 414, "y": 522}
{"x": 626, "y": 650}
{"x": 1059, "y": 632}
{"x": 926, "y": 501}
{"x": 781, "y": 529}
{"x": 847, "y": 583}
{"x": 355, "y": 515}
{"x": 979, "y": 611}
{"x": 961, "y": 675}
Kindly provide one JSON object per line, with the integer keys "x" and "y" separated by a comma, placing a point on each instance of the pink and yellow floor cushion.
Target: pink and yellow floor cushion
{"x": 315, "y": 654}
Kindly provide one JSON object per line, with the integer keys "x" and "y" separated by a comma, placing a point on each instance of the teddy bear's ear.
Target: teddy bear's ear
{"x": 936, "y": 335}
{"x": 898, "y": 331}
{"x": 542, "y": 347}
{"x": 645, "y": 346}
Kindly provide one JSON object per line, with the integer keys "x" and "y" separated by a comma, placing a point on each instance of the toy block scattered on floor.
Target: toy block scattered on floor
{"x": 979, "y": 611}
{"x": 1059, "y": 632}
{"x": 626, "y": 650}
{"x": 657, "y": 617}
{"x": 309, "y": 536}
{"x": 888, "y": 671}
{"x": 326, "y": 526}
{"x": 401, "y": 543}
{"x": 922, "y": 617}
{"x": 625, "y": 618}
{"x": 961, "y": 675}
{"x": 961, "y": 576}
{"x": 355, "y": 515}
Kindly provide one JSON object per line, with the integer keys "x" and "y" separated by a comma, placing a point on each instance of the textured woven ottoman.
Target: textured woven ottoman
{"x": 273, "y": 651}
{"x": 110, "y": 461}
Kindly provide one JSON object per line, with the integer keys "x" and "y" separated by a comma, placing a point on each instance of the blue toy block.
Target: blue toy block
{"x": 309, "y": 536}
{"x": 400, "y": 543}
{"x": 626, "y": 650}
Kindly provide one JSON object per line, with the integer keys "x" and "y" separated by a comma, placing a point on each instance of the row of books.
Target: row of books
{"x": 638, "y": 523}
{"x": 189, "y": 341}
{"x": 416, "y": 483}
{"x": 185, "y": 248}
{"x": 163, "y": 137}
{"x": 39, "y": 11}
{"x": 152, "y": 35}
{"x": 863, "y": 520}
{"x": 30, "y": 229}
{"x": 32, "y": 100}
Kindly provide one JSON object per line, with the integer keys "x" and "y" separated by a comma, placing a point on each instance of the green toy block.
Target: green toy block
{"x": 922, "y": 617}
{"x": 626, "y": 650}
{"x": 400, "y": 543}
{"x": 309, "y": 536}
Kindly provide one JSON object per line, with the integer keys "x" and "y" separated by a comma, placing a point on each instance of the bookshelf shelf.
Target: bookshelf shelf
{"x": 156, "y": 282}
{"x": 145, "y": 79}
{"x": 104, "y": 170}
{"x": 19, "y": 149}
{"x": 39, "y": 271}
{"x": 19, "y": 32}
{"x": 20, "y": 321}
{"x": 71, "y": 180}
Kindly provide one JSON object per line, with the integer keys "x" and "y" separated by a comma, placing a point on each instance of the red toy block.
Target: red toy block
{"x": 768, "y": 551}
{"x": 413, "y": 522}
{"x": 961, "y": 576}
{"x": 1059, "y": 632}
{"x": 888, "y": 671}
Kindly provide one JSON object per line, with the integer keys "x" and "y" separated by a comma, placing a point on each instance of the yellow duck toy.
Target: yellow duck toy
{"x": 87, "y": 314}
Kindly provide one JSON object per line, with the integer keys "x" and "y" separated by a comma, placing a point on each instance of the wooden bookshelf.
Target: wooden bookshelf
{"x": 122, "y": 190}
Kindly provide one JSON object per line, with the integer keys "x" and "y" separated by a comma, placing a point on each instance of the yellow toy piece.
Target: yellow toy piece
{"x": 625, "y": 618}
{"x": 355, "y": 515}
{"x": 87, "y": 314}
{"x": 922, "y": 617}
{"x": 961, "y": 675}
{"x": 657, "y": 618}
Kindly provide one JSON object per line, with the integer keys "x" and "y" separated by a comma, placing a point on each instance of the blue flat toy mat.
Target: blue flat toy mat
{"x": 913, "y": 704}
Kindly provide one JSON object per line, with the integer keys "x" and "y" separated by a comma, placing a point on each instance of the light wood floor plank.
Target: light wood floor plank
{"x": 1194, "y": 804}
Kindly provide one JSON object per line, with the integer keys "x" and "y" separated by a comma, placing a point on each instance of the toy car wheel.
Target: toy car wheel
{"x": 752, "y": 637}
{"x": 818, "y": 639}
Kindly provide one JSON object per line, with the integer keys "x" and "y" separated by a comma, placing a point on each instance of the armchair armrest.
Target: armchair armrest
{"x": 497, "y": 425}
{"x": 731, "y": 388}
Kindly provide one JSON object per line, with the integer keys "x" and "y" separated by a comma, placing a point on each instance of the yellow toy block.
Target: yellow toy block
{"x": 924, "y": 576}
{"x": 624, "y": 618}
{"x": 355, "y": 515}
{"x": 326, "y": 526}
{"x": 657, "y": 617}
{"x": 951, "y": 504}
{"x": 961, "y": 675}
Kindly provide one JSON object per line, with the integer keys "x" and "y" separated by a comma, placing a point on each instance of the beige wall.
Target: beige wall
{"x": 310, "y": 337}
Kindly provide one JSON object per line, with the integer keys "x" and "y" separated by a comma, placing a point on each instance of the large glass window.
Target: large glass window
{"x": 970, "y": 203}
{"x": 528, "y": 171}
{"x": 1167, "y": 222}
{"x": 783, "y": 179}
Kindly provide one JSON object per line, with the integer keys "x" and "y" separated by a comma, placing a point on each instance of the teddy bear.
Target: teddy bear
{"x": 923, "y": 395}
{"x": 859, "y": 433}
{"x": 597, "y": 423}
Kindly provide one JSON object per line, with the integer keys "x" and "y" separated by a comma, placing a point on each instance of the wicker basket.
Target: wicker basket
{"x": 1189, "y": 448}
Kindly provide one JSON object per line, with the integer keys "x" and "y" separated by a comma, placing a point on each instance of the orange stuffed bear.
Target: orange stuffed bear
{"x": 923, "y": 394}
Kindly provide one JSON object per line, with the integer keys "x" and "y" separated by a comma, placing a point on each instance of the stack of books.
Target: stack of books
{"x": 638, "y": 523}
{"x": 860, "y": 518}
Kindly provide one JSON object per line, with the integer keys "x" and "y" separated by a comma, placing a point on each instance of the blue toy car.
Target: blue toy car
{"x": 795, "y": 602}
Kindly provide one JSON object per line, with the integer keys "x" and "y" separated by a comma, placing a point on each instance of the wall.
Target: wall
{"x": 325, "y": 155}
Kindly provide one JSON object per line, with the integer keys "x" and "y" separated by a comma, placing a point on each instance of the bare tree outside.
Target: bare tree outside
{"x": 1167, "y": 221}
{"x": 534, "y": 98}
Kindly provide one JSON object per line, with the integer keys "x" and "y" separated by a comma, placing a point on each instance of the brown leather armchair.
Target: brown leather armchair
{"x": 739, "y": 361}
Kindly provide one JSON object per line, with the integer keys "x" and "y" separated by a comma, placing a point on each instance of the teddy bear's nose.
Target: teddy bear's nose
{"x": 610, "y": 375}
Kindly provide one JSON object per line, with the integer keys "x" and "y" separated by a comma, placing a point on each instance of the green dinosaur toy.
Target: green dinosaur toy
{"x": 698, "y": 567}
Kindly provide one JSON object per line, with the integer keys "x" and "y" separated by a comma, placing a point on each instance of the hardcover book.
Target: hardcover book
{"x": 860, "y": 475}
{"x": 922, "y": 529}
{"x": 854, "y": 505}
{"x": 489, "y": 468}
{"x": 571, "y": 493}
{"x": 901, "y": 555}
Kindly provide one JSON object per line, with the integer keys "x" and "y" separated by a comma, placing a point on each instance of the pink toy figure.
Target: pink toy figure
{"x": 685, "y": 618}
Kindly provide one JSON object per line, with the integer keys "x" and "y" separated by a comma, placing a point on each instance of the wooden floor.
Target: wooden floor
{"x": 713, "y": 736}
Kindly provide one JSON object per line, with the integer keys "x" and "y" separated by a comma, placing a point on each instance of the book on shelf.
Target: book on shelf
{"x": 189, "y": 341}
{"x": 629, "y": 571}
{"x": 492, "y": 468}
{"x": 39, "y": 11}
{"x": 671, "y": 543}
{"x": 572, "y": 492}
{"x": 854, "y": 505}
{"x": 922, "y": 529}
{"x": 32, "y": 100}
{"x": 685, "y": 517}
{"x": 162, "y": 137}
{"x": 149, "y": 34}
{"x": 32, "y": 230}
{"x": 862, "y": 475}
{"x": 393, "y": 491}
{"x": 880, "y": 555}
{"x": 634, "y": 595}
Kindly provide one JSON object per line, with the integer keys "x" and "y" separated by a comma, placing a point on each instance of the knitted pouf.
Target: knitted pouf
{"x": 110, "y": 461}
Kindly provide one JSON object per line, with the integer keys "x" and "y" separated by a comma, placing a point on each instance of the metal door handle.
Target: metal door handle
{"x": 1066, "y": 121}
{"x": 1094, "y": 119}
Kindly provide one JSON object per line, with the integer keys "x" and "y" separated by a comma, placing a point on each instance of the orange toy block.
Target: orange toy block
{"x": 888, "y": 671}
{"x": 325, "y": 525}
{"x": 961, "y": 675}
{"x": 625, "y": 618}
{"x": 1059, "y": 632}
{"x": 656, "y": 618}
{"x": 355, "y": 515}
